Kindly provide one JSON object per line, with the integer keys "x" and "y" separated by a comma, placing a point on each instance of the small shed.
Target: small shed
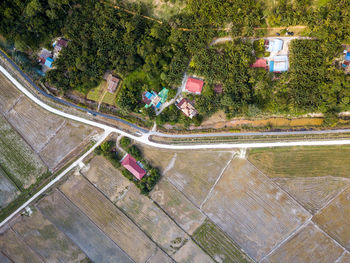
{"x": 218, "y": 88}
{"x": 112, "y": 83}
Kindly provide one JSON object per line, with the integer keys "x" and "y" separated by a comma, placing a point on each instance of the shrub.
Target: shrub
{"x": 125, "y": 142}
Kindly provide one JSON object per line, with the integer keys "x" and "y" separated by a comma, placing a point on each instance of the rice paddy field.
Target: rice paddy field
{"x": 17, "y": 159}
{"x": 310, "y": 244}
{"x": 218, "y": 244}
{"x": 303, "y": 161}
{"x": 252, "y": 210}
{"x": 8, "y": 190}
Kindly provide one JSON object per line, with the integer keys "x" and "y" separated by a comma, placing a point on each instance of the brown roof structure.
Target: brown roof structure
{"x": 218, "y": 88}
{"x": 112, "y": 83}
{"x": 187, "y": 108}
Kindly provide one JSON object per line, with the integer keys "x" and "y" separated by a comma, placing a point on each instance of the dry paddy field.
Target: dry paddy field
{"x": 252, "y": 210}
{"x": 80, "y": 229}
{"x": 8, "y": 190}
{"x": 45, "y": 239}
{"x": 53, "y": 138}
{"x": 310, "y": 244}
{"x": 17, "y": 158}
{"x": 334, "y": 219}
{"x": 108, "y": 218}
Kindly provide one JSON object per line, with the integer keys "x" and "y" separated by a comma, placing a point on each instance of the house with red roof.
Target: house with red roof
{"x": 132, "y": 166}
{"x": 260, "y": 63}
{"x": 194, "y": 85}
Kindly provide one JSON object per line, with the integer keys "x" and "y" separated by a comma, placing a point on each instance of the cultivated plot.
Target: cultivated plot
{"x": 160, "y": 257}
{"x": 106, "y": 178}
{"x": 177, "y": 206}
{"x": 252, "y": 210}
{"x": 310, "y": 161}
{"x": 46, "y": 240}
{"x": 17, "y": 159}
{"x": 313, "y": 193}
{"x": 334, "y": 219}
{"x": 8, "y": 191}
{"x": 152, "y": 220}
{"x": 195, "y": 172}
{"x": 109, "y": 218}
{"x": 72, "y": 137}
{"x": 15, "y": 249}
{"x": 308, "y": 245}
{"x": 80, "y": 229}
{"x": 9, "y": 94}
{"x": 191, "y": 253}
{"x": 218, "y": 245}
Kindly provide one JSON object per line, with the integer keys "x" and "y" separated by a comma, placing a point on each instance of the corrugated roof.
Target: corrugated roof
{"x": 194, "y": 85}
{"x": 131, "y": 165}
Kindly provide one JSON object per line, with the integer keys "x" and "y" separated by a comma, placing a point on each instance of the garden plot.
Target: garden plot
{"x": 195, "y": 172}
{"x": 334, "y": 219}
{"x": 8, "y": 191}
{"x": 81, "y": 230}
{"x": 109, "y": 218}
{"x": 177, "y": 206}
{"x": 218, "y": 245}
{"x": 160, "y": 257}
{"x": 71, "y": 137}
{"x": 15, "y": 249}
{"x": 152, "y": 220}
{"x": 310, "y": 161}
{"x": 308, "y": 245}
{"x": 252, "y": 210}
{"x": 191, "y": 253}
{"x": 36, "y": 125}
{"x": 313, "y": 193}
{"x": 46, "y": 240}
{"x": 9, "y": 95}
{"x": 106, "y": 178}
{"x": 17, "y": 159}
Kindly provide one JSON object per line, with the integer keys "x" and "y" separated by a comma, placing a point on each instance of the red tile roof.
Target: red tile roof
{"x": 62, "y": 42}
{"x": 131, "y": 165}
{"x": 260, "y": 63}
{"x": 194, "y": 85}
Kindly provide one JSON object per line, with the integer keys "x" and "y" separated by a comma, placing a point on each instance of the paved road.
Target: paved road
{"x": 144, "y": 138}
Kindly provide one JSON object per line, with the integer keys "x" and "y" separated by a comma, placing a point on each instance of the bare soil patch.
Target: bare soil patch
{"x": 152, "y": 220}
{"x": 308, "y": 245}
{"x": 252, "y": 210}
{"x": 46, "y": 240}
{"x": 177, "y": 206}
{"x": 80, "y": 229}
{"x": 160, "y": 257}
{"x": 195, "y": 172}
{"x": 345, "y": 258}
{"x": 13, "y": 247}
{"x": 9, "y": 94}
{"x": 108, "y": 218}
{"x": 191, "y": 253}
{"x": 313, "y": 193}
{"x": 106, "y": 178}
{"x": 334, "y": 219}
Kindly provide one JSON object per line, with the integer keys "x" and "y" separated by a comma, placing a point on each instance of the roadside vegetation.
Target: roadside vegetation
{"x": 149, "y": 53}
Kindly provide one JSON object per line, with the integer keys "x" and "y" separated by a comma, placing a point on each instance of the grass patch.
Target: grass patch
{"x": 308, "y": 161}
{"x": 95, "y": 94}
{"x": 110, "y": 98}
{"x": 214, "y": 241}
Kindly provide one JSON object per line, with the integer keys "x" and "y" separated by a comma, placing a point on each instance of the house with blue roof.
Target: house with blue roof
{"x": 48, "y": 62}
{"x": 155, "y": 99}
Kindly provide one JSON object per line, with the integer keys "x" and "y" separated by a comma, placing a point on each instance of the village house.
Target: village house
{"x": 275, "y": 45}
{"x": 260, "y": 63}
{"x": 194, "y": 85}
{"x": 133, "y": 167}
{"x": 186, "y": 107}
{"x": 112, "y": 83}
{"x": 58, "y": 45}
{"x": 279, "y": 64}
{"x": 155, "y": 99}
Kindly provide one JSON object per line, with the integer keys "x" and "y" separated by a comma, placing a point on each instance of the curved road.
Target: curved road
{"x": 144, "y": 138}
{"x": 143, "y": 131}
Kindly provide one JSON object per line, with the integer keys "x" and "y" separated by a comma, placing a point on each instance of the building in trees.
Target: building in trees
{"x": 132, "y": 166}
{"x": 58, "y": 45}
{"x": 186, "y": 107}
{"x": 155, "y": 99}
{"x": 112, "y": 83}
{"x": 275, "y": 45}
{"x": 218, "y": 89}
{"x": 260, "y": 63}
{"x": 194, "y": 85}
